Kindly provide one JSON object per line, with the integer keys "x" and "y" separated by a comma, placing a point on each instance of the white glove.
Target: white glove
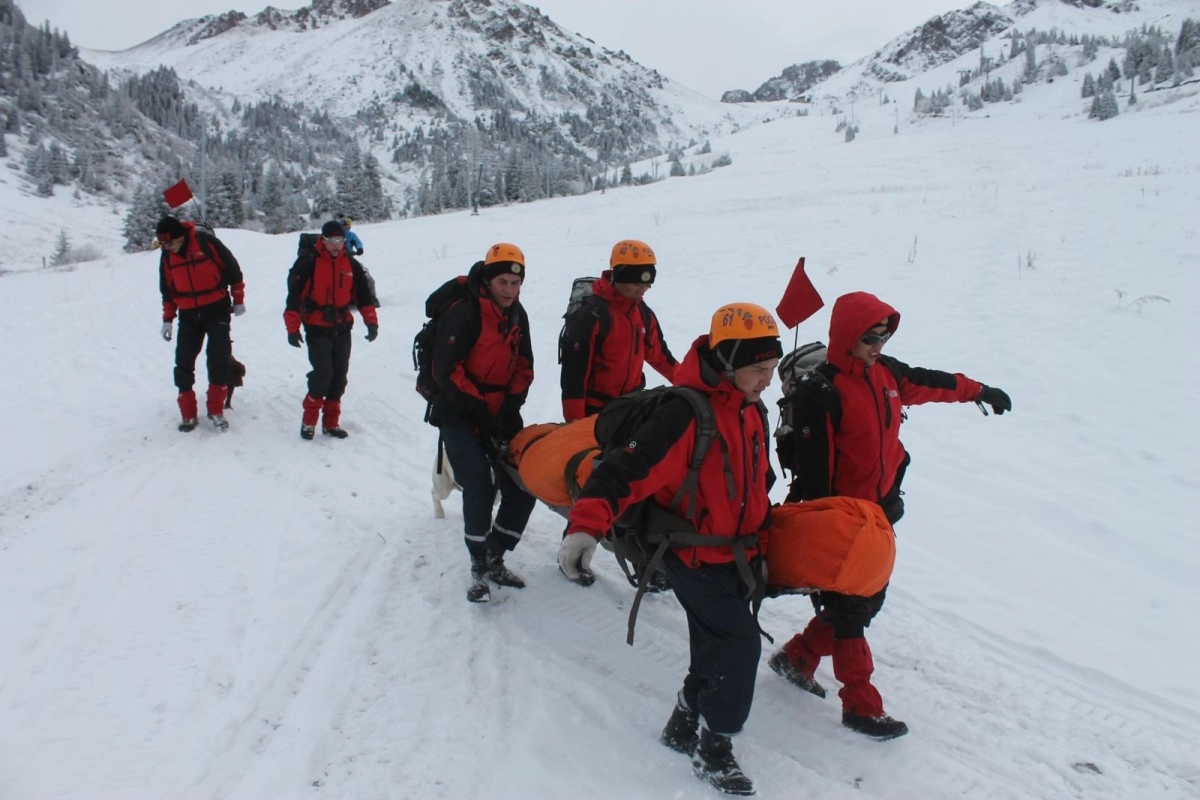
{"x": 576, "y": 552}
{"x": 239, "y": 309}
{"x": 166, "y": 331}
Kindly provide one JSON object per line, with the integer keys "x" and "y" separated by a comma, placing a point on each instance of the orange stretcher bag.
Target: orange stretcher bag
{"x": 525, "y": 437}
{"x": 840, "y": 544}
{"x": 555, "y": 464}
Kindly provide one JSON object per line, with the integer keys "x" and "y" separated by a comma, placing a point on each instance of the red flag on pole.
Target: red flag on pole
{"x": 800, "y": 299}
{"x": 178, "y": 194}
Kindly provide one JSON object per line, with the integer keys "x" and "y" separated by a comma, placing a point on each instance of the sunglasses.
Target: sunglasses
{"x": 165, "y": 237}
{"x": 874, "y": 338}
{"x": 334, "y": 241}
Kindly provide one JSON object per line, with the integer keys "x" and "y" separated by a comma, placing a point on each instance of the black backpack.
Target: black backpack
{"x": 641, "y": 536}
{"x": 307, "y": 246}
{"x": 809, "y": 399}
{"x": 448, "y": 294}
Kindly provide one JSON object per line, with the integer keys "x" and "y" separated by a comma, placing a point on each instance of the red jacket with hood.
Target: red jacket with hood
{"x": 867, "y": 455}
{"x": 604, "y": 348}
{"x": 655, "y": 463}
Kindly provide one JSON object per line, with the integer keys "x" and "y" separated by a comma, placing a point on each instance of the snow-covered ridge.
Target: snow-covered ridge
{"x": 470, "y": 55}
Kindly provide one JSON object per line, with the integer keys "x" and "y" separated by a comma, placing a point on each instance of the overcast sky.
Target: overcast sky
{"x": 709, "y": 45}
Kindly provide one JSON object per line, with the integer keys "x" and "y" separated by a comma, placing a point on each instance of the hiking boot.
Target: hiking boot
{"x": 218, "y": 421}
{"x": 502, "y": 575}
{"x": 478, "y": 591}
{"x": 782, "y": 665}
{"x": 308, "y": 431}
{"x": 336, "y": 433}
{"x": 189, "y": 424}
{"x": 880, "y": 728}
{"x": 657, "y": 583}
{"x": 680, "y": 733}
{"x": 714, "y": 762}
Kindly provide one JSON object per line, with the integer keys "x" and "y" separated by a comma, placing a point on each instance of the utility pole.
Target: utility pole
{"x": 203, "y": 170}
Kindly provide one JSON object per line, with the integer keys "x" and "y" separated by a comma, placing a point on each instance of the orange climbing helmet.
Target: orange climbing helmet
{"x": 631, "y": 253}
{"x": 742, "y": 334}
{"x": 741, "y": 321}
{"x": 503, "y": 251}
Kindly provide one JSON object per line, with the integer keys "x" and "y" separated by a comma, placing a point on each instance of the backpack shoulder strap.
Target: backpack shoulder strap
{"x": 893, "y": 367}
{"x": 208, "y": 250}
{"x": 598, "y": 308}
{"x": 706, "y": 434}
{"x": 825, "y": 392}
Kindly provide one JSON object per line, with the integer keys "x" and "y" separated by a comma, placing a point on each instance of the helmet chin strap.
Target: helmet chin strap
{"x": 727, "y": 363}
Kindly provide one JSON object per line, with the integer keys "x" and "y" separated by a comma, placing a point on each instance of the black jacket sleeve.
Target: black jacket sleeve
{"x": 298, "y": 277}
{"x": 576, "y": 352}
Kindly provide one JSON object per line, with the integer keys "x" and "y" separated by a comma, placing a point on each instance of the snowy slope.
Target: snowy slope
{"x": 249, "y": 615}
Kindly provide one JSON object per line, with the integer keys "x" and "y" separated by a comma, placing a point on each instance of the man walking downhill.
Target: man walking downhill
{"x": 483, "y": 365}
{"x": 196, "y": 276}
{"x": 322, "y": 286}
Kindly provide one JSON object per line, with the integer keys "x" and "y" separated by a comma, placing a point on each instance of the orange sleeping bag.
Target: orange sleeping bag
{"x": 543, "y": 456}
{"x": 841, "y": 544}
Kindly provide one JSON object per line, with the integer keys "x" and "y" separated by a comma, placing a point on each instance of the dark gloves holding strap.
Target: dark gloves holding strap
{"x": 509, "y": 422}
{"x": 996, "y": 398}
{"x": 295, "y": 339}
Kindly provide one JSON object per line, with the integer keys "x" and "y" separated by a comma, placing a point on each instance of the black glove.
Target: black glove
{"x": 996, "y": 398}
{"x": 509, "y": 422}
{"x": 372, "y": 332}
{"x": 295, "y": 339}
{"x": 358, "y": 252}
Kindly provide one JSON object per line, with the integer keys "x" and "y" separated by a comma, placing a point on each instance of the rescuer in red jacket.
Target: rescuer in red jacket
{"x": 196, "y": 276}
{"x": 609, "y": 339}
{"x": 483, "y": 366}
{"x": 847, "y": 442}
{"x": 322, "y": 287}
{"x": 731, "y": 365}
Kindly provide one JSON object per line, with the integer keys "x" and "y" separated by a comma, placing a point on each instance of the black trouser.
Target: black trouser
{"x": 477, "y": 471}
{"x": 848, "y": 615}
{"x": 329, "y": 354}
{"x": 212, "y": 321}
{"x": 725, "y": 647}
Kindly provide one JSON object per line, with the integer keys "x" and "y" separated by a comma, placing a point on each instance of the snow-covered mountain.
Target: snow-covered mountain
{"x": 949, "y": 36}
{"x": 406, "y": 63}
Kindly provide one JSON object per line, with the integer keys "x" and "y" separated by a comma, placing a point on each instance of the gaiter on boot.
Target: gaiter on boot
{"x": 853, "y": 665}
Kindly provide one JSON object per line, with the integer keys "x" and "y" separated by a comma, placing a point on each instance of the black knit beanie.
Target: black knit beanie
{"x": 170, "y": 226}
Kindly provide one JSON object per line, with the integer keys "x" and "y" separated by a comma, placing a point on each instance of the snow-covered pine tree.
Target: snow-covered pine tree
{"x": 62, "y": 250}
{"x": 145, "y": 210}
{"x": 1106, "y": 105}
{"x": 1089, "y": 86}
